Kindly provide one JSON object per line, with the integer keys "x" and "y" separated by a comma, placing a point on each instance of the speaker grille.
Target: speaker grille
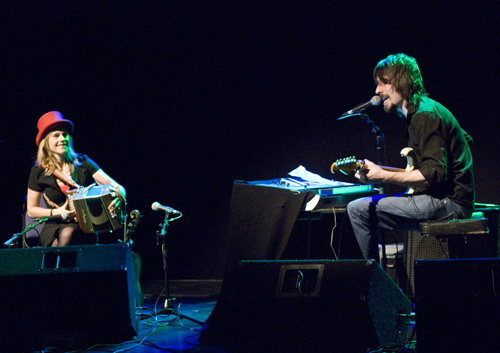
{"x": 421, "y": 247}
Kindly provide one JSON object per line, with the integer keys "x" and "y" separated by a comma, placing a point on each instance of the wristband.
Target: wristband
{"x": 51, "y": 212}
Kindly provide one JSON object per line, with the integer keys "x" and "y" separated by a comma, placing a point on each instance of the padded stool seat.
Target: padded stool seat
{"x": 477, "y": 224}
{"x": 447, "y": 239}
{"x": 466, "y": 238}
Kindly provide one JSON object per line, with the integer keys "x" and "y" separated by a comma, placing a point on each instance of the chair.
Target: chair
{"x": 32, "y": 237}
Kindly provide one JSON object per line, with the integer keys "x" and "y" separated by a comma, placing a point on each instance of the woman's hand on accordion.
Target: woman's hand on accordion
{"x": 119, "y": 202}
{"x": 65, "y": 209}
{"x": 116, "y": 205}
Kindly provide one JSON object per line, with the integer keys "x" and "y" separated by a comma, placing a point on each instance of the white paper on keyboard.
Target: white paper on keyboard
{"x": 301, "y": 172}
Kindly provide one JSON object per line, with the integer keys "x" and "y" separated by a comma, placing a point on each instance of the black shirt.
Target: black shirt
{"x": 443, "y": 155}
{"x": 82, "y": 175}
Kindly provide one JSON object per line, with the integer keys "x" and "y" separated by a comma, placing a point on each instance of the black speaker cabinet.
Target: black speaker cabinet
{"x": 68, "y": 297}
{"x": 308, "y": 306}
{"x": 457, "y": 305}
{"x": 492, "y": 213}
{"x": 422, "y": 247}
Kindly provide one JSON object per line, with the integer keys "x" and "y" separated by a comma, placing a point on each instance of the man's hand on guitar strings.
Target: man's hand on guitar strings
{"x": 371, "y": 173}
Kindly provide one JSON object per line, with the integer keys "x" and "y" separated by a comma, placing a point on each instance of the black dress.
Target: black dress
{"x": 47, "y": 185}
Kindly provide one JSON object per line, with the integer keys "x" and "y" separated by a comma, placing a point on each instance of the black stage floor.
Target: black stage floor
{"x": 178, "y": 332}
{"x": 168, "y": 331}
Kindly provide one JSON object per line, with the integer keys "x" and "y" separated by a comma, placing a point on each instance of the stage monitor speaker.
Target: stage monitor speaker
{"x": 308, "y": 306}
{"x": 69, "y": 297}
{"x": 457, "y": 305}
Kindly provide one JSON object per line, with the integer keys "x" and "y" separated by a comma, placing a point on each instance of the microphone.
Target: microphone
{"x": 17, "y": 235}
{"x": 157, "y": 207}
{"x": 63, "y": 216}
{"x": 376, "y": 100}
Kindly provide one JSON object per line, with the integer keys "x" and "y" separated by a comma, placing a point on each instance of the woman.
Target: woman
{"x": 56, "y": 156}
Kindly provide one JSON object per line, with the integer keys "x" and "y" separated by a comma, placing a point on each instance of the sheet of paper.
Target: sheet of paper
{"x": 303, "y": 173}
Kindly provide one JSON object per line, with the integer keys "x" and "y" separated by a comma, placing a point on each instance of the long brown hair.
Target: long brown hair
{"x": 403, "y": 73}
{"x": 45, "y": 156}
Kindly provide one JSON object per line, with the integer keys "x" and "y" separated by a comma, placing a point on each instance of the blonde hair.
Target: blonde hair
{"x": 45, "y": 157}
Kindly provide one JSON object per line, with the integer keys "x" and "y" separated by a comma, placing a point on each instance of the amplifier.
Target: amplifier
{"x": 91, "y": 205}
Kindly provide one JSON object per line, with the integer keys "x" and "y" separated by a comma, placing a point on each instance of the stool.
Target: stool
{"x": 458, "y": 232}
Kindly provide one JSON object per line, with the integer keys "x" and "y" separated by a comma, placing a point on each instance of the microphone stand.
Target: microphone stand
{"x": 168, "y": 305}
{"x": 380, "y": 137}
{"x": 27, "y": 229}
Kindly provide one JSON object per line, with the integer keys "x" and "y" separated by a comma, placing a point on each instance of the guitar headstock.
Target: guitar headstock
{"x": 346, "y": 165}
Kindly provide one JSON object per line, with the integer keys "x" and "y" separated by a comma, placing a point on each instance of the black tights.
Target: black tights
{"x": 65, "y": 237}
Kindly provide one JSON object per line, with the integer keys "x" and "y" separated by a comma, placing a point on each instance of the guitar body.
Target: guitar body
{"x": 351, "y": 164}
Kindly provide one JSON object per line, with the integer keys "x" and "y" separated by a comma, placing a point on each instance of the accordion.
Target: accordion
{"x": 91, "y": 206}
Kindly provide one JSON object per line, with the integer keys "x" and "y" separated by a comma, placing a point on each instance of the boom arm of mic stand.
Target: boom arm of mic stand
{"x": 345, "y": 115}
{"x": 17, "y": 235}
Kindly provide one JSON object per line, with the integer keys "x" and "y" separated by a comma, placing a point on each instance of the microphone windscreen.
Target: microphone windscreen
{"x": 376, "y": 100}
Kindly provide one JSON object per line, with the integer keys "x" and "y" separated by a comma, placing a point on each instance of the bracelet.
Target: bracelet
{"x": 51, "y": 212}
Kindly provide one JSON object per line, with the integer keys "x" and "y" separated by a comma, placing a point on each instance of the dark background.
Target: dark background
{"x": 177, "y": 99}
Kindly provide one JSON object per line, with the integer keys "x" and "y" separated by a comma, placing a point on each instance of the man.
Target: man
{"x": 442, "y": 180}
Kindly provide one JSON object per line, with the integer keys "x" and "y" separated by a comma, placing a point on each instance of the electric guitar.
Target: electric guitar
{"x": 351, "y": 164}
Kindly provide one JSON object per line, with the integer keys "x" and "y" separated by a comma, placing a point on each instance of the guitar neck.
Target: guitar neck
{"x": 348, "y": 165}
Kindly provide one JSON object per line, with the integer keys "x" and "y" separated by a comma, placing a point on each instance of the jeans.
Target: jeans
{"x": 397, "y": 212}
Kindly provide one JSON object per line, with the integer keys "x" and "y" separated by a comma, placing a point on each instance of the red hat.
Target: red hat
{"x": 48, "y": 122}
